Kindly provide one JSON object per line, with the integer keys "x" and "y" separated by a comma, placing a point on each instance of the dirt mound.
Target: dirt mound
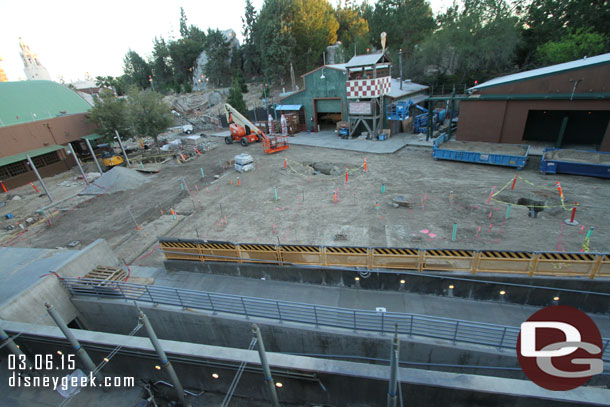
{"x": 115, "y": 180}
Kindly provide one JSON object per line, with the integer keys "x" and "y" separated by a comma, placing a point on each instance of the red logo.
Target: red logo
{"x": 560, "y": 348}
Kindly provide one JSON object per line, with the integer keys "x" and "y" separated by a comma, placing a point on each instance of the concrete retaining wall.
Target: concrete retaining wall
{"x": 173, "y": 323}
{"x": 465, "y": 285}
{"x": 28, "y": 306}
{"x": 306, "y": 381}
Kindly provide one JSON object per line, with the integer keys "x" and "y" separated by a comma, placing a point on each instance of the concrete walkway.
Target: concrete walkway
{"x": 447, "y": 307}
{"x": 328, "y": 139}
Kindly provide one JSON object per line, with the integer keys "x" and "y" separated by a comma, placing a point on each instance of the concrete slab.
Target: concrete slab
{"x": 23, "y": 267}
{"x": 328, "y": 139}
{"x": 448, "y": 307}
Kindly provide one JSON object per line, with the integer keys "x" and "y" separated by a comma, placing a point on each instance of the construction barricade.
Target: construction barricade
{"x": 589, "y": 265}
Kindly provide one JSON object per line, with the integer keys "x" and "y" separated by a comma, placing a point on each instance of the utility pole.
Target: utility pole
{"x": 400, "y": 66}
{"x": 265, "y": 365}
{"x": 82, "y": 354}
{"x": 393, "y": 386}
{"x": 39, "y": 177}
{"x": 122, "y": 148}
{"x": 166, "y": 364}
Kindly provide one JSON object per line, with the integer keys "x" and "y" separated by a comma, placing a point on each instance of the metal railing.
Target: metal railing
{"x": 479, "y": 333}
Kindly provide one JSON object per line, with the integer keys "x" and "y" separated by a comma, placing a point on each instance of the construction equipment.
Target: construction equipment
{"x": 109, "y": 158}
{"x": 245, "y": 132}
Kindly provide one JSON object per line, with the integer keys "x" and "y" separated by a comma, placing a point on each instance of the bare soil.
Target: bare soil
{"x": 315, "y": 208}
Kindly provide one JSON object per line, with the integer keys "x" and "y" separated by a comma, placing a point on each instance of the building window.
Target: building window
{"x": 4, "y": 172}
{"x": 50, "y": 158}
{"x": 17, "y": 168}
{"x": 38, "y": 161}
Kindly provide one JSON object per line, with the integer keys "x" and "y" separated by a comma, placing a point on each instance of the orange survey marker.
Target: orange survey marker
{"x": 34, "y": 186}
{"x": 3, "y": 187}
{"x": 365, "y": 169}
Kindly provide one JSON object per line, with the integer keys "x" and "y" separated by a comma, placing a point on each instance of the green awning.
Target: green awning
{"x": 32, "y": 153}
{"x": 92, "y": 137}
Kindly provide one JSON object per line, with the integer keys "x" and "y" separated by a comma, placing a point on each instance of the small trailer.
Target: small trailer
{"x": 578, "y": 162}
{"x": 509, "y": 155}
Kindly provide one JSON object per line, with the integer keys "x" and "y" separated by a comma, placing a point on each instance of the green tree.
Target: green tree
{"x": 109, "y": 113}
{"x": 406, "y": 22}
{"x": 251, "y": 60}
{"x": 549, "y": 20}
{"x": 475, "y": 41}
{"x": 136, "y": 70}
{"x": 274, "y": 40}
{"x": 183, "y": 24}
{"x": 184, "y": 53}
{"x": 239, "y": 77}
{"x": 118, "y": 84}
{"x": 148, "y": 113}
{"x": 574, "y": 45}
{"x": 161, "y": 65}
{"x": 217, "y": 49}
{"x": 353, "y": 27}
{"x": 314, "y": 26}
{"x": 235, "y": 98}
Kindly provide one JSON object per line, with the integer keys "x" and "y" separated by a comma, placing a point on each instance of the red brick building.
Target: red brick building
{"x": 535, "y": 105}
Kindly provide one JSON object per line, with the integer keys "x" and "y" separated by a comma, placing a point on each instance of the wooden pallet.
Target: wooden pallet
{"x": 106, "y": 274}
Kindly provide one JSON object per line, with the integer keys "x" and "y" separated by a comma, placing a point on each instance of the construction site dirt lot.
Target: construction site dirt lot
{"x": 436, "y": 198}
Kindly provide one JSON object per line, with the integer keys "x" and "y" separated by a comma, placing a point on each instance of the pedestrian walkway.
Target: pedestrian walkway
{"x": 431, "y": 305}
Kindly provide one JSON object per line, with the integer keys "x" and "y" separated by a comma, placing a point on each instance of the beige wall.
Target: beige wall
{"x": 28, "y": 136}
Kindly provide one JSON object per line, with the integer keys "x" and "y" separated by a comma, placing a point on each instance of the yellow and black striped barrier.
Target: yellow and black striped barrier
{"x": 589, "y": 265}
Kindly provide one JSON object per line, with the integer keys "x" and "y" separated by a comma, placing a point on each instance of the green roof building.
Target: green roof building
{"x": 39, "y": 118}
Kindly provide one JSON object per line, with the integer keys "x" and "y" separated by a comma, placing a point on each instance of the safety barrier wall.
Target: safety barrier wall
{"x": 561, "y": 264}
{"x": 479, "y": 333}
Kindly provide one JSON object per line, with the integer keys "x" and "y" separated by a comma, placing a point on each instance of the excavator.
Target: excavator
{"x": 243, "y": 131}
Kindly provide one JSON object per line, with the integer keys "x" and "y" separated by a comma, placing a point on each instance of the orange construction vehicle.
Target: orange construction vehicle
{"x": 243, "y": 131}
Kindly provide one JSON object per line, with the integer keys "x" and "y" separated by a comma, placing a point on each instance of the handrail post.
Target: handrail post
{"x": 149, "y": 294}
{"x": 180, "y": 299}
{"x": 457, "y": 326}
{"x": 502, "y": 338}
{"x": 121, "y": 290}
{"x": 243, "y": 303}
{"x": 382, "y": 315}
{"x": 354, "y": 320}
{"x": 411, "y": 326}
{"x": 279, "y": 312}
{"x": 315, "y": 313}
{"x": 211, "y": 304}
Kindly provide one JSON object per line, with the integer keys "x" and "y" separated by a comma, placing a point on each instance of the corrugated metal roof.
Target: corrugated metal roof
{"x": 92, "y": 137}
{"x": 368, "y": 59}
{"x": 547, "y": 70}
{"x": 28, "y": 101}
{"x": 32, "y": 153}
{"x": 341, "y": 67}
{"x": 407, "y": 88}
{"x": 288, "y": 107}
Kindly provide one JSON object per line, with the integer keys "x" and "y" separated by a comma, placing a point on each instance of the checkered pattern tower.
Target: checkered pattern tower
{"x": 369, "y": 79}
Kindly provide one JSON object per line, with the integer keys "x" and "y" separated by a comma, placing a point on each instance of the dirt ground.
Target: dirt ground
{"x": 314, "y": 208}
